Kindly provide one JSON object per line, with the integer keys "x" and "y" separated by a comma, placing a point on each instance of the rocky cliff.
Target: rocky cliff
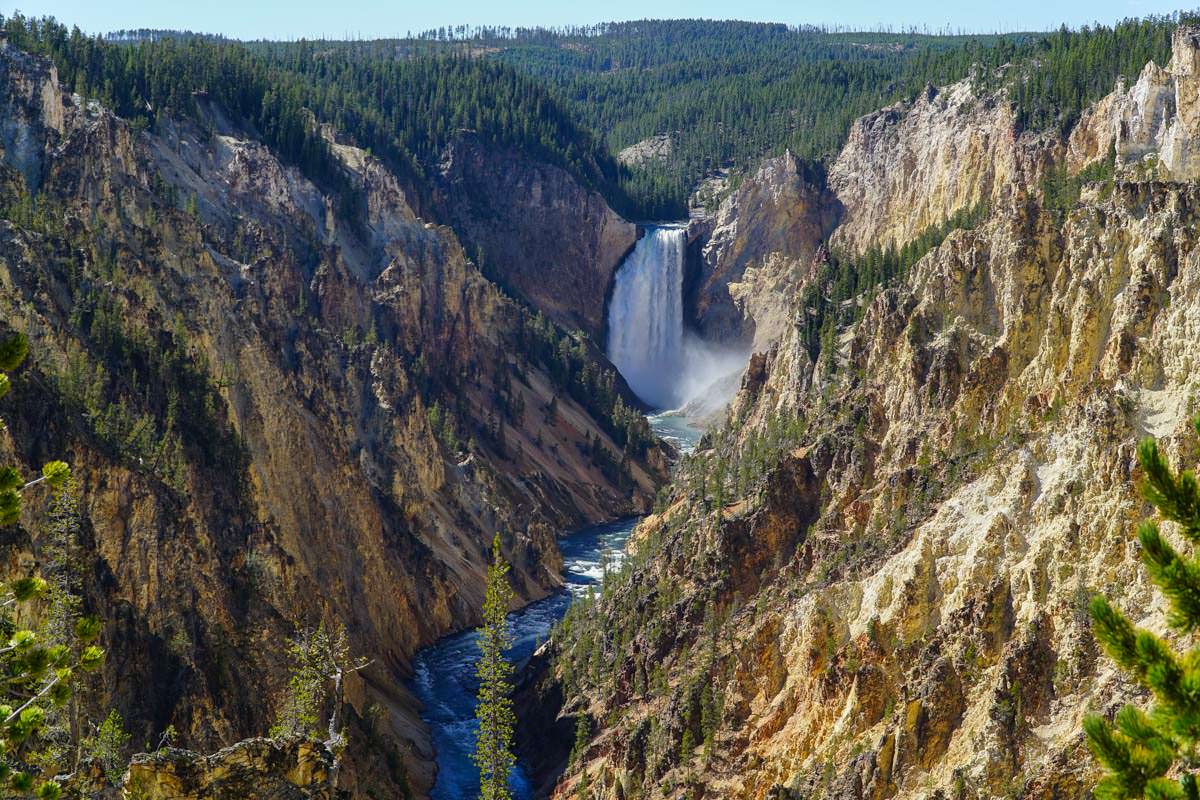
{"x": 762, "y": 242}
{"x": 1148, "y": 127}
{"x": 871, "y": 583}
{"x": 538, "y": 232}
{"x": 279, "y": 414}
{"x": 912, "y": 165}
{"x": 904, "y": 170}
{"x": 248, "y": 770}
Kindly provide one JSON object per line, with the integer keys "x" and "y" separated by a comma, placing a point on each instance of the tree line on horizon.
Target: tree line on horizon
{"x": 727, "y": 93}
{"x": 730, "y": 93}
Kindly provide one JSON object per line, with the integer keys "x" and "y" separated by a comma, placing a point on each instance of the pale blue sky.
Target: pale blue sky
{"x": 382, "y": 18}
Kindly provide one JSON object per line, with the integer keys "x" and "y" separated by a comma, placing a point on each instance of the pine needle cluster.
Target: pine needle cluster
{"x": 1154, "y": 754}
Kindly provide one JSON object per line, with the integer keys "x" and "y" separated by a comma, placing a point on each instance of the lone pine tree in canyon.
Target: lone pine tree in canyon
{"x": 661, "y": 409}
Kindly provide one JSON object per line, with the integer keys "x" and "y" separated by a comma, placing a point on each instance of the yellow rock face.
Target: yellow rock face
{"x": 912, "y": 622}
{"x": 1152, "y": 125}
{"x": 910, "y": 166}
{"x": 251, "y": 769}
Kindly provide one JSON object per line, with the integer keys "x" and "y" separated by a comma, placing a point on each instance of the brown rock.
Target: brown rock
{"x": 542, "y": 234}
{"x": 250, "y": 769}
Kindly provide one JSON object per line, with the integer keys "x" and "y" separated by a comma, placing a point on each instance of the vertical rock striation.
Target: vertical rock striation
{"x": 541, "y": 234}
{"x": 763, "y": 240}
{"x": 912, "y": 165}
{"x": 872, "y": 583}
{"x": 1150, "y": 126}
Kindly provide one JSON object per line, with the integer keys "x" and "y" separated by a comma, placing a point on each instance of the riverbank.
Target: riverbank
{"x": 444, "y": 673}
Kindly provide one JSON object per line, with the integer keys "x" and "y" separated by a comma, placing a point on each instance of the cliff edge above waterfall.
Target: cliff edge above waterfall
{"x": 535, "y": 230}
{"x": 763, "y": 240}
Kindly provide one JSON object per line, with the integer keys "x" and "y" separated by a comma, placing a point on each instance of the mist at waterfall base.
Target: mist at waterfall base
{"x": 663, "y": 363}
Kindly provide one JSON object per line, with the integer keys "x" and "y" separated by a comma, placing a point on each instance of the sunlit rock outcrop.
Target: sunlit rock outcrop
{"x": 764, "y": 238}
{"x": 1152, "y": 126}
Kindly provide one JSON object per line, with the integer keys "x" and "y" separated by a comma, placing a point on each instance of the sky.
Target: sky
{"x": 368, "y": 19}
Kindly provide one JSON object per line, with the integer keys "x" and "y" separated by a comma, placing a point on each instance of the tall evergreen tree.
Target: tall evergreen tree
{"x": 494, "y": 747}
{"x": 1140, "y": 749}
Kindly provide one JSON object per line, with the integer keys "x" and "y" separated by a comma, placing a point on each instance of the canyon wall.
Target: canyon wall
{"x": 913, "y": 164}
{"x": 540, "y": 233}
{"x": 904, "y": 169}
{"x": 872, "y": 581}
{"x": 1149, "y": 127}
{"x": 763, "y": 239}
{"x": 278, "y": 415}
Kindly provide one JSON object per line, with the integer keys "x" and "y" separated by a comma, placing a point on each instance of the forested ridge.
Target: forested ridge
{"x": 404, "y": 111}
{"x": 729, "y": 93}
{"x": 726, "y": 93}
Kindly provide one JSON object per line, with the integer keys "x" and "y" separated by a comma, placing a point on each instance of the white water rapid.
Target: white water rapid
{"x": 664, "y": 365}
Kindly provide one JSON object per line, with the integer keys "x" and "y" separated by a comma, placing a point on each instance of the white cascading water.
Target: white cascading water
{"x": 645, "y": 317}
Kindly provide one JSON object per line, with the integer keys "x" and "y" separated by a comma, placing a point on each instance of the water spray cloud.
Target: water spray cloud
{"x": 664, "y": 365}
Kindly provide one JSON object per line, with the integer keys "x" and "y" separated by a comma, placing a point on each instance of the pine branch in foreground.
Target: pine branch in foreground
{"x": 1155, "y": 755}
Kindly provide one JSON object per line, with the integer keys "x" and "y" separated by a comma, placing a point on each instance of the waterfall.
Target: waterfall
{"x": 645, "y": 317}
{"x": 666, "y": 365}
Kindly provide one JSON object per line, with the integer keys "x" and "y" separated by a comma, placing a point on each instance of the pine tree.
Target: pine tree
{"x": 494, "y": 747}
{"x": 583, "y": 735}
{"x": 321, "y": 662}
{"x": 1138, "y": 748}
{"x": 108, "y": 745}
{"x": 41, "y": 665}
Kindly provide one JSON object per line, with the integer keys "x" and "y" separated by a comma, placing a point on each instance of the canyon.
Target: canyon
{"x": 867, "y": 577}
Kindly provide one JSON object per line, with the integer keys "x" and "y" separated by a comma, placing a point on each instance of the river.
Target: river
{"x": 444, "y": 672}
